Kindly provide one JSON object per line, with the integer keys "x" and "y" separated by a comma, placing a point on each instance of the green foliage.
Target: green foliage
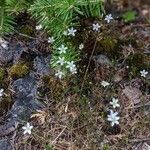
{"x": 129, "y": 16}
{"x": 16, "y": 6}
{"x": 10, "y": 8}
{"x": 56, "y": 16}
{"x": 6, "y": 21}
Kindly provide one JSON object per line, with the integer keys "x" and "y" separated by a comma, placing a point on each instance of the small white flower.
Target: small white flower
{"x": 113, "y": 118}
{"x": 59, "y": 74}
{"x": 104, "y": 83}
{"x": 65, "y": 33}
{"x": 71, "y": 66}
{"x": 3, "y": 43}
{"x": 108, "y": 18}
{"x": 51, "y": 40}
{"x": 61, "y": 61}
{"x": 81, "y": 46}
{"x": 62, "y": 49}
{"x": 38, "y": 27}
{"x": 73, "y": 70}
{"x": 27, "y": 128}
{"x": 114, "y": 103}
{"x": 1, "y": 92}
{"x": 72, "y": 31}
{"x": 96, "y": 27}
{"x": 143, "y": 73}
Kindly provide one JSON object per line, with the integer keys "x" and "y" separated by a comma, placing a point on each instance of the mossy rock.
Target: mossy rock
{"x": 26, "y": 29}
{"x": 19, "y": 70}
{"x": 109, "y": 46}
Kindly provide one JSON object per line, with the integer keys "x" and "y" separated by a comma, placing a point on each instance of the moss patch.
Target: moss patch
{"x": 2, "y": 72}
{"x": 19, "y": 70}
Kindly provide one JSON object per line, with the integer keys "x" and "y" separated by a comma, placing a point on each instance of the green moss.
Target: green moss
{"x": 1, "y": 74}
{"x": 137, "y": 62}
{"x": 109, "y": 46}
{"x": 19, "y": 70}
{"x": 129, "y": 16}
{"x": 28, "y": 30}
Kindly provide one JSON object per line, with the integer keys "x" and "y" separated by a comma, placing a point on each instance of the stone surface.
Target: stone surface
{"x": 6, "y": 55}
{"x": 5, "y": 145}
{"x": 41, "y": 65}
{"x": 25, "y": 102}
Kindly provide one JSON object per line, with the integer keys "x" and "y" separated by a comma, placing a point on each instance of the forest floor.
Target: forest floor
{"x": 72, "y": 113}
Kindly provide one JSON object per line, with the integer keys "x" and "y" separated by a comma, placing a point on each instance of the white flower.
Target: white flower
{"x": 108, "y": 18}
{"x": 61, "y": 61}
{"x": 104, "y": 83}
{"x": 72, "y": 31}
{"x": 38, "y": 27}
{"x": 27, "y": 128}
{"x": 62, "y": 49}
{"x": 81, "y": 46}
{"x": 73, "y": 70}
{"x": 113, "y": 118}
{"x": 114, "y": 103}
{"x": 65, "y": 33}
{"x": 51, "y": 40}
{"x": 71, "y": 66}
{"x": 143, "y": 73}
{"x": 96, "y": 27}
{"x": 59, "y": 74}
{"x": 3, "y": 43}
{"x": 1, "y": 92}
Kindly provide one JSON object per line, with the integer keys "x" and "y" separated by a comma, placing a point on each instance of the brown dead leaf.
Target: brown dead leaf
{"x": 40, "y": 115}
{"x": 133, "y": 94}
{"x": 120, "y": 74}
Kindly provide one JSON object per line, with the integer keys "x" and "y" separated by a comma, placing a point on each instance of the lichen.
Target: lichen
{"x": 19, "y": 70}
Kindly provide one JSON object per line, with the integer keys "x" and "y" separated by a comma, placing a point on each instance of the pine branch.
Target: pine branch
{"x": 6, "y": 21}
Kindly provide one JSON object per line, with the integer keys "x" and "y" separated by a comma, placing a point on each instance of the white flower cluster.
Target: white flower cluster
{"x": 113, "y": 116}
{"x": 68, "y": 65}
{"x": 62, "y": 62}
{"x": 3, "y": 43}
{"x": 107, "y": 18}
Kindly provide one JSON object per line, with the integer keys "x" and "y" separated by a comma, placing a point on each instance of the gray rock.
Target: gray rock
{"x": 102, "y": 60}
{"x": 25, "y": 102}
{"x": 6, "y": 55}
{"x": 41, "y": 65}
{"x": 25, "y": 98}
{"x": 5, "y": 145}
